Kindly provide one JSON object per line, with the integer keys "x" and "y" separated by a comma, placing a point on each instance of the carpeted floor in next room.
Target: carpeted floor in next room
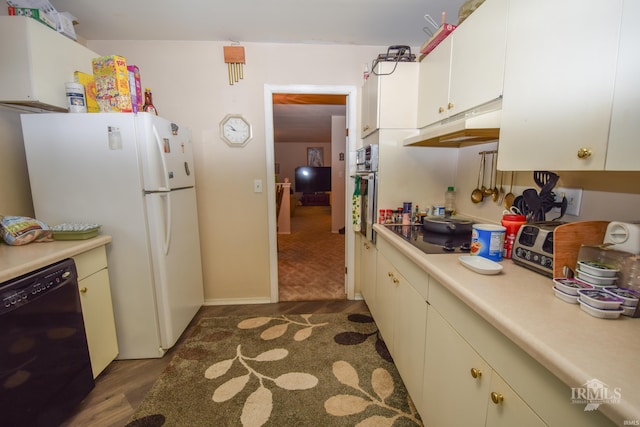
{"x": 311, "y": 259}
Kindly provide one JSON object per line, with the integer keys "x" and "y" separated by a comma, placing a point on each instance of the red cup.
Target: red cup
{"x": 512, "y": 222}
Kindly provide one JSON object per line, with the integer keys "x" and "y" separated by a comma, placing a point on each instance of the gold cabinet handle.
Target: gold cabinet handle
{"x": 366, "y": 127}
{"x": 497, "y": 398}
{"x": 476, "y": 373}
{"x": 396, "y": 281}
{"x": 584, "y": 153}
{"x": 390, "y": 274}
{"x": 83, "y": 290}
{"x": 366, "y": 246}
{"x": 450, "y": 106}
{"x": 441, "y": 110}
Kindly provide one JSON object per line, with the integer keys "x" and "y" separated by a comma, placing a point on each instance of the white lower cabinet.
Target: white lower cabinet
{"x": 402, "y": 315}
{"x": 97, "y": 308}
{"x": 367, "y": 272}
{"x": 461, "y": 388}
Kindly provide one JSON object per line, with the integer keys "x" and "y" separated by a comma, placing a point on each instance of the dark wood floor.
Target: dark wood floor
{"x": 124, "y": 383}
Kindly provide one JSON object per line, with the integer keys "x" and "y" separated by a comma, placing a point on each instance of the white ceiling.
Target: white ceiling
{"x": 357, "y": 22}
{"x": 351, "y": 22}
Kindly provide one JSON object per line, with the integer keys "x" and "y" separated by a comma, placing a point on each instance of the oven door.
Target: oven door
{"x": 368, "y": 205}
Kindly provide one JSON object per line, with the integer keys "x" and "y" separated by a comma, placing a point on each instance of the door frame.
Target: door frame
{"x": 351, "y": 93}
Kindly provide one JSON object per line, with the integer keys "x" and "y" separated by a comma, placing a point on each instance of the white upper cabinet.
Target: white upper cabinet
{"x": 559, "y": 83}
{"x": 389, "y": 97}
{"x": 623, "y": 150}
{"x": 466, "y": 70}
{"x": 37, "y": 61}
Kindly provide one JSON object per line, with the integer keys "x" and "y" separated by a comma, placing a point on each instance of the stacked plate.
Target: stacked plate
{"x": 629, "y": 298}
{"x": 600, "y": 303}
{"x": 597, "y": 274}
{"x": 567, "y": 289}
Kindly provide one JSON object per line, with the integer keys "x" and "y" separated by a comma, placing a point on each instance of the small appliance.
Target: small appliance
{"x": 533, "y": 247}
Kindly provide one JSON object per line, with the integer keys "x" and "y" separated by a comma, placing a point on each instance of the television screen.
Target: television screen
{"x": 311, "y": 179}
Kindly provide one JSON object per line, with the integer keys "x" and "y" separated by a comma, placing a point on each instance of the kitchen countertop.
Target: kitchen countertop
{"x": 573, "y": 345}
{"x": 18, "y": 260}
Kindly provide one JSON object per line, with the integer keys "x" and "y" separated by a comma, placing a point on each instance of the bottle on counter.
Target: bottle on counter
{"x": 450, "y": 201}
{"x": 148, "y": 106}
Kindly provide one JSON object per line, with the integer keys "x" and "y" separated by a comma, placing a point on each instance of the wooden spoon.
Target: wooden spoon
{"x": 509, "y": 198}
{"x": 494, "y": 190}
{"x": 477, "y": 195}
{"x": 501, "y": 191}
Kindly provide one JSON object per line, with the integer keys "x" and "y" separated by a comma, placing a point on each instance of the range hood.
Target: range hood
{"x": 475, "y": 127}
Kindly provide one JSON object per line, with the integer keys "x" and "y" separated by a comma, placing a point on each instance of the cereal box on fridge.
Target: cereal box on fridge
{"x": 89, "y": 84}
{"x": 112, "y": 84}
{"x": 135, "y": 88}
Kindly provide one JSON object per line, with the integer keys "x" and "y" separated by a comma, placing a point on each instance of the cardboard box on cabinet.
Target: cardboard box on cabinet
{"x": 112, "y": 84}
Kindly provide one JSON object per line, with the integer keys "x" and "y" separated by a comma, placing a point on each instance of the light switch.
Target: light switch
{"x": 257, "y": 186}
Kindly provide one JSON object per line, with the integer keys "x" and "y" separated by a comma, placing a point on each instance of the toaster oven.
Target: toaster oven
{"x": 533, "y": 247}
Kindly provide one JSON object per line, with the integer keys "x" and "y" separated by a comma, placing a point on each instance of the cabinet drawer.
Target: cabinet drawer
{"x": 90, "y": 262}
{"x": 417, "y": 277}
{"x": 539, "y": 388}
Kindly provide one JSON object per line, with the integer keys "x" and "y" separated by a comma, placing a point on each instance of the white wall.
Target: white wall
{"x": 15, "y": 193}
{"x": 190, "y": 85}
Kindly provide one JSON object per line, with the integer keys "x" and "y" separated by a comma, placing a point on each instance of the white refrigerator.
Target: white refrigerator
{"x": 133, "y": 174}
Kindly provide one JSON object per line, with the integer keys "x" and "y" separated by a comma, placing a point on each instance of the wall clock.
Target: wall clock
{"x": 235, "y": 130}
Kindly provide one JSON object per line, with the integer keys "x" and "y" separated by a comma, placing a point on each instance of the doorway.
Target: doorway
{"x": 347, "y": 165}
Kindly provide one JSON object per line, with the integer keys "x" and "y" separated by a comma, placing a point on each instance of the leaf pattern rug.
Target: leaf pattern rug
{"x": 281, "y": 370}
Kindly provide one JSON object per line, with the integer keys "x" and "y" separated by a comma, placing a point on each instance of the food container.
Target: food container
{"x": 596, "y": 280}
{"x": 597, "y": 312}
{"x": 571, "y": 299}
{"x": 570, "y": 286}
{"x": 628, "y": 311}
{"x": 487, "y": 240}
{"x": 513, "y": 223}
{"x": 600, "y": 299}
{"x": 75, "y": 231}
{"x": 599, "y": 269}
{"x": 629, "y": 296}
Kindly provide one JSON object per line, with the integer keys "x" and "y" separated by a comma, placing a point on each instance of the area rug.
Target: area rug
{"x": 282, "y": 370}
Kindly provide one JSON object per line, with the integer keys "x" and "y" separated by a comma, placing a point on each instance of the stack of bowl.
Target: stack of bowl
{"x": 567, "y": 289}
{"x": 600, "y": 303}
{"x": 629, "y": 298}
{"x": 597, "y": 274}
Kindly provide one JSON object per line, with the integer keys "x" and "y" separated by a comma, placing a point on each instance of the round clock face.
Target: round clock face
{"x": 235, "y": 130}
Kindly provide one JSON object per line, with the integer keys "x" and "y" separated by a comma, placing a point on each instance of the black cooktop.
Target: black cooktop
{"x": 433, "y": 243}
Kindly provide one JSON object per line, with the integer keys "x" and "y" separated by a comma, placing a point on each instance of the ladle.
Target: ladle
{"x": 508, "y": 199}
{"x": 477, "y": 195}
{"x": 494, "y": 164}
{"x": 501, "y": 191}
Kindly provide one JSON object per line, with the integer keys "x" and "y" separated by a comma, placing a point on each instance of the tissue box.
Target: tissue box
{"x": 135, "y": 87}
{"x": 89, "y": 84}
{"x": 112, "y": 84}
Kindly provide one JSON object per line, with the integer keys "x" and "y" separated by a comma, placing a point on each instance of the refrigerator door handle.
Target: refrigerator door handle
{"x": 165, "y": 173}
{"x": 166, "y": 241}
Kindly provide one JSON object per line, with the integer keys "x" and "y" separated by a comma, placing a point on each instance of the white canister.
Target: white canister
{"x": 487, "y": 241}
{"x": 75, "y": 97}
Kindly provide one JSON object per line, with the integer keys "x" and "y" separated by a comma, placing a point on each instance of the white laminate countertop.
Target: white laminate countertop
{"x": 18, "y": 260}
{"x": 573, "y": 345}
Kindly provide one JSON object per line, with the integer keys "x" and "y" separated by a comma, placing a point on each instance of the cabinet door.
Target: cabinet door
{"x": 452, "y": 394}
{"x": 623, "y": 150}
{"x": 507, "y": 409}
{"x": 409, "y": 336}
{"x": 370, "y": 95}
{"x": 477, "y": 57}
{"x": 386, "y": 285}
{"x": 368, "y": 274}
{"x": 99, "y": 324}
{"x": 558, "y": 84}
{"x": 433, "y": 84}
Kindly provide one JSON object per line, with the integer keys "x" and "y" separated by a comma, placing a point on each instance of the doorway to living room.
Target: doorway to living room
{"x": 309, "y": 254}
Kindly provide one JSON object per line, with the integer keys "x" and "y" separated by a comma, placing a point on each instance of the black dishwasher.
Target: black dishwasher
{"x": 45, "y": 369}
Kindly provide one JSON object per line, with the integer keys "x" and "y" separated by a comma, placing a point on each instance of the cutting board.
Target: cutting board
{"x": 567, "y": 239}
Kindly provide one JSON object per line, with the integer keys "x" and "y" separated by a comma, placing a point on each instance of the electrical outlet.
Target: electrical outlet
{"x": 574, "y": 198}
{"x": 257, "y": 186}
